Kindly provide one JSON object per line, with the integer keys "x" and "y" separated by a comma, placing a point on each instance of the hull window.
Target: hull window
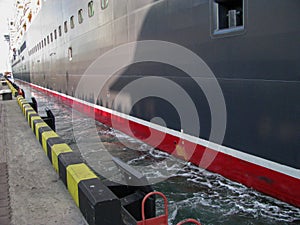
{"x": 59, "y": 30}
{"x": 228, "y": 16}
{"x": 70, "y": 54}
{"x": 48, "y": 39}
{"x": 80, "y": 16}
{"x": 51, "y": 37}
{"x": 104, "y": 4}
{"x": 72, "y": 24}
{"x": 66, "y": 26}
{"x": 55, "y": 34}
{"x": 91, "y": 8}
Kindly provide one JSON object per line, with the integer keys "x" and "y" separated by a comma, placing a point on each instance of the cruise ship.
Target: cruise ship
{"x": 213, "y": 82}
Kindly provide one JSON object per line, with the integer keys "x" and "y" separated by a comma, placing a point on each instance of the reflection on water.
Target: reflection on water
{"x": 191, "y": 191}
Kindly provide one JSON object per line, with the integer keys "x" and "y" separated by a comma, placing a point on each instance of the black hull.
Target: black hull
{"x": 257, "y": 66}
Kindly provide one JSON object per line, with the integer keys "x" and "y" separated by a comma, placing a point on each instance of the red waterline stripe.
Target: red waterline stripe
{"x": 273, "y": 183}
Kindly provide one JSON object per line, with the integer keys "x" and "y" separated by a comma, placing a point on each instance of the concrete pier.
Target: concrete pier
{"x": 30, "y": 190}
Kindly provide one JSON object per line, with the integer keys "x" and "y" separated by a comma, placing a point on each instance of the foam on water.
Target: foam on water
{"x": 192, "y": 191}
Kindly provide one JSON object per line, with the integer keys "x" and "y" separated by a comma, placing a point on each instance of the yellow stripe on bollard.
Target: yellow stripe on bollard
{"x": 57, "y": 149}
{"x": 45, "y": 136}
{"x": 19, "y": 99}
{"x": 37, "y": 127}
{"x": 75, "y": 174}
{"x": 25, "y": 108}
{"x": 28, "y": 116}
{"x": 32, "y": 121}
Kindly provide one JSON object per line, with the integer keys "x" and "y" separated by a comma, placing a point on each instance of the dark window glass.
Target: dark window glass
{"x": 66, "y": 26}
{"x": 80, "y": 16}
{"x": 59, "y": 30}
{"x": 228, "y": 17}
{"x": 104, "y": 4}
{"x": 91, "y": 8}
{"x": 72, "y": 24}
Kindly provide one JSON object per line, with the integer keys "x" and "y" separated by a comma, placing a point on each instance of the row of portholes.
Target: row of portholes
{"x": 58, "y": 32}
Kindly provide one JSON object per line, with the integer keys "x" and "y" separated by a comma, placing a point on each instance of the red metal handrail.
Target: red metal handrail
{"x": 189, "y": 221}
{"x": 159, "y": 220}
{"x": 162, "y": 219}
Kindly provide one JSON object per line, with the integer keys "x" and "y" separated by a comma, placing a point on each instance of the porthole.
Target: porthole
{"x": 104, "y": 4}
{"x": 80, "y": 16}
{"x": 59, "y": 30}
{"x": 91, "y": 8}
{"x": 72, "y": 24}
{"x": 66, "y": 26}
{"x": 70, "y": 54}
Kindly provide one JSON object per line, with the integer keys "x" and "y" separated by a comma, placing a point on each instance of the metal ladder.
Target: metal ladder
{"x": 162, "y": 219}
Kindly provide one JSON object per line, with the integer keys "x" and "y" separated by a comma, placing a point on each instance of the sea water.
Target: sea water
{"x": 191, "y": 191}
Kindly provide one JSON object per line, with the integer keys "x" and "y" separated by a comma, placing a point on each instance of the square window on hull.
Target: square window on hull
{"x": 228, "y": 16}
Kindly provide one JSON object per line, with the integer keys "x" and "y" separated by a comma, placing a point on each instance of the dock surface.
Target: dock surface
{"x": 30, "y": 190}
